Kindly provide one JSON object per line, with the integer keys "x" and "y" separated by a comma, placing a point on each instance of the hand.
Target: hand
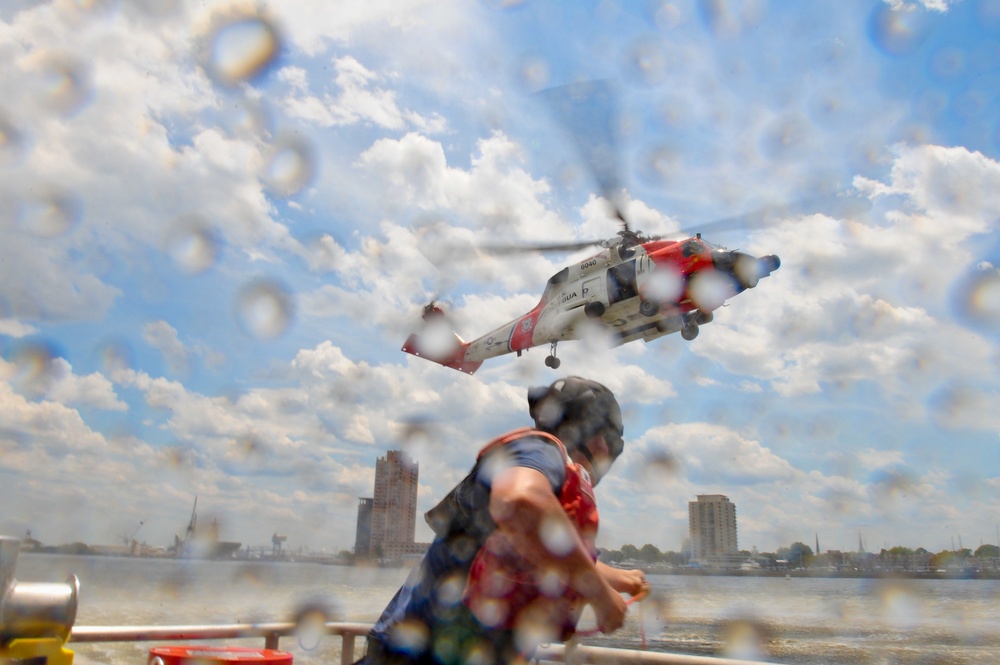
{"x": 634, "y": 583}
{"x": 609, "y": 611}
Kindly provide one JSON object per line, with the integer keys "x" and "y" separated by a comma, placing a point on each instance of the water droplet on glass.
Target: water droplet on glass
{"x": 744, "y": 640}
{"x": 785, "y": 137}
{"x": 659, "y": 164}
{"x": 557, "y": 536}
{"x": 115, "y": 355}
{"x": 665, "y": 15}
{"x": 709, "y": 290}
{"x": 450, "y": 590}
{"x": 655, "y": 613}
{"x": 13, "y": 143}
{"x": 157, "y": 8}
{"x": 36, "y": 367}
{"x": 661, "y": 465}
{"x": 727, "y": 19}
{"x": 437, "y": 339}
{"x": 899, "y": 606}
{"x": 976, "y": 298}
{"x": 552, "y": 582}
{"x": 177, "y": 458}
{"x": 193, "y": 244}
{"x": 65, "y": 84}
{"x": 290, "y": 165}
{"x": 533, "y": 72}
{"x": 265, "y": 309}
{"x": 535, "y": 626}
{"x": 664, "y": 285}
{"x": 899, "y": 30}
{"x": 247, "y": 117}
{"x": 49, "y": 213}
{"x": 249, "y": 446}
{"x": 310, "y": 625}
{"x": 241, "y": 49}
{"x": 409, "y": 635}
{"x": 646, "y": 62}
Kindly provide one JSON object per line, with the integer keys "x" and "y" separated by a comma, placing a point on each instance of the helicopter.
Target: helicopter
{"x": 636, "y": 286}
{"x": 639, "y": 287}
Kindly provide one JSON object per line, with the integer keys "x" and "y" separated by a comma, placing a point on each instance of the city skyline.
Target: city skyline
{"x": 222, "y": 220}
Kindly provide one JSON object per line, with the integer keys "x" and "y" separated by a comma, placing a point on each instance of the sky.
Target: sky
{"x": 221, "y": 220}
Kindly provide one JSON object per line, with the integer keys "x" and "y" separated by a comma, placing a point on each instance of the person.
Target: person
{"x": 513, "y": 561}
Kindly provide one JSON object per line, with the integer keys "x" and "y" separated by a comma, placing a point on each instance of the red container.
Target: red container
{"x": 207, "y": 654}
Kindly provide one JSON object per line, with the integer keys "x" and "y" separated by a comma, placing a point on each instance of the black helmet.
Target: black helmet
{"x": 576, "y": 409}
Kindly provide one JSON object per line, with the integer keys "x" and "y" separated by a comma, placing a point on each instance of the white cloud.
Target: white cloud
{"x": 162, "y": 336}
{"x": 358, "y": 100}
{"x": 713, "y": 455}
{"x": 869, "y": 299}
{"x": 14, "y": 328}
{"x": 53, "y": 380}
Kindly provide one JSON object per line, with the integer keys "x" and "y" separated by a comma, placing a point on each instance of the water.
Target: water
{"x": 799, "y": 620}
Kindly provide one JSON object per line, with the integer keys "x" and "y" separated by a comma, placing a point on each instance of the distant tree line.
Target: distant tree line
{"x": 648, "y": 554}
{"x": 800, "y": 555}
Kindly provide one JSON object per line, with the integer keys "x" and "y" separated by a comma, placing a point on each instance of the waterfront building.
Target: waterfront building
{"x": 392, "y": 512}
{"x": 712, "y": 531}
{"x": 363, "y": 535}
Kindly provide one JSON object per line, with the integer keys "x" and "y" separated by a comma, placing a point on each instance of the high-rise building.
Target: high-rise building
{"x": 712, "y": 527}
{"x": 363, "y": 536}
{"x": 392, "y": 512}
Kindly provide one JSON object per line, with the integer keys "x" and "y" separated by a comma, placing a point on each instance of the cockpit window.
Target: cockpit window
{"x": 556, "y": 279}
{"x": 622, "y": 283}
{"x": 690, "y": 248}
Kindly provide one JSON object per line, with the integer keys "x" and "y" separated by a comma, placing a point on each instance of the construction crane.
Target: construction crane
{"x": 276, "y": 543}
{"x": 127, "y": 538}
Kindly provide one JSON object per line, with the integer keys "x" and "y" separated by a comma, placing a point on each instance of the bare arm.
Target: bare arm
{"x": 526, "y": 511}
{"x": 632, "y": 582}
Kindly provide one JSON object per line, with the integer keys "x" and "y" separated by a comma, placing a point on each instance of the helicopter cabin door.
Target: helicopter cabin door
{"x": 622, "y": 282}
{"x": 591, "y": 290}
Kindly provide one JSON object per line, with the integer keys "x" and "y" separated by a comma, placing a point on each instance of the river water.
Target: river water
{"x": 798, "y": 620}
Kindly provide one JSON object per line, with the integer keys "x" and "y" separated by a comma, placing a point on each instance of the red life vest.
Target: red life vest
{"x": 504, "y": 590}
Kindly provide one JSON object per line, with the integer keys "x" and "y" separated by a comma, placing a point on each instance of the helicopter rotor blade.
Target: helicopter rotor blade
{"x": 505, "y": 250}
{"x": 834, "y": 205}
{"x": 588, "y": 112}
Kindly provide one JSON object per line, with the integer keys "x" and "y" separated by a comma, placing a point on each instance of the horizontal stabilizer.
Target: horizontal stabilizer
{"x": 453, "y": 355}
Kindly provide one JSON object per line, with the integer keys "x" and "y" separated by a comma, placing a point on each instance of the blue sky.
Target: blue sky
{"x": 209, "y": 267}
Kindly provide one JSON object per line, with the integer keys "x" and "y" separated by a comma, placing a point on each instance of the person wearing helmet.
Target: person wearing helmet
{"x": 514, "y": 560}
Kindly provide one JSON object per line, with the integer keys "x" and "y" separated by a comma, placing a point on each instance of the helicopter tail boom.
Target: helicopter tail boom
{"x": 451, "y": 354}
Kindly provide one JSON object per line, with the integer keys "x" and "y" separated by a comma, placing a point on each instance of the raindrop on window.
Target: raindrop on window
{"x": 240, "y": 49}
{"x": 49, "y": 213}
{"x": 290, "y": 165}
{"x": 192, "y": 244}
{"x": 265, "y": 309}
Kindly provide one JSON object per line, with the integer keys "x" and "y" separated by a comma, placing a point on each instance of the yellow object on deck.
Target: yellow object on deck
{"x": 36, "y": 651}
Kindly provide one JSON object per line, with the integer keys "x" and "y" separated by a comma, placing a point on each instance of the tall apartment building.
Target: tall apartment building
{"x": 393, "y": 509}
{"x": 363, "y": 535}
{"x": 712, "y": 527}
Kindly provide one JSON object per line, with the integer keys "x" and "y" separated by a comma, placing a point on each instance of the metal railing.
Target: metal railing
{"x": 272, "y": 633}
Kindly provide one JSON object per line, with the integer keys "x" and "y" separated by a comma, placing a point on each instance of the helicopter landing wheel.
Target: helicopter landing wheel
{"x": 690, "y": 331}
{"x": 648, "y": 308}
{"x": 594, "y": 310}
{"x": 551, "y": 360}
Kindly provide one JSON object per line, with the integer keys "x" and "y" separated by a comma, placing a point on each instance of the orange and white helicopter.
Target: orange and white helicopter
{"x": 639, "y": 287}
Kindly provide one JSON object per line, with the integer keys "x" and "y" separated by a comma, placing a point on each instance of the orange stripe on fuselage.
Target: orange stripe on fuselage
{"x": 521, "y": 333}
